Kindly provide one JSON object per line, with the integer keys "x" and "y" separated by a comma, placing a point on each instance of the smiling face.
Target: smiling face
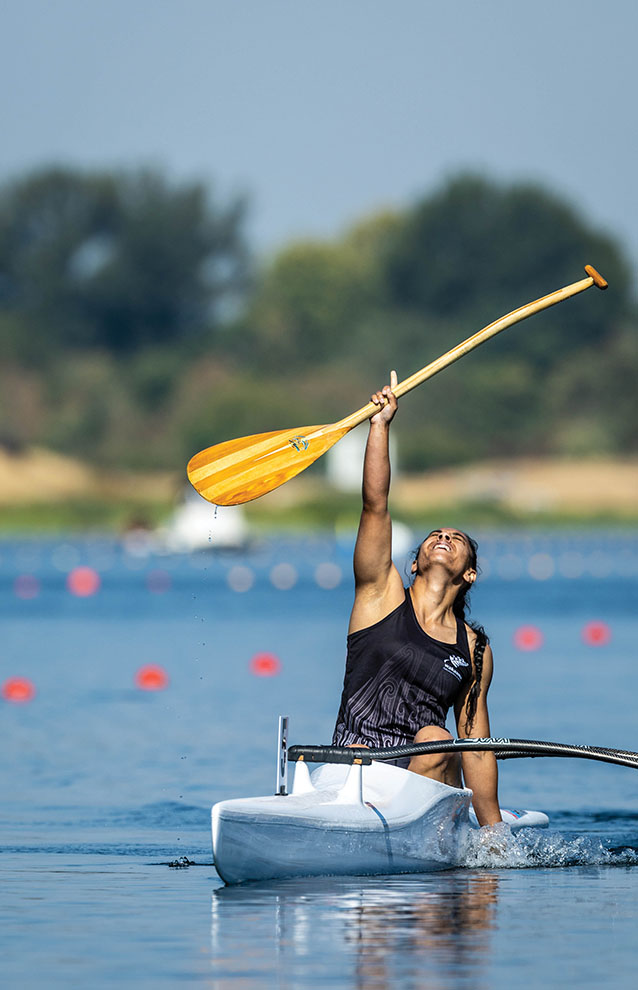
{"x": 449, "y": 548}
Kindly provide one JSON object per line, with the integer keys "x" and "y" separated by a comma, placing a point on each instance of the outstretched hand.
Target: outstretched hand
{"x": 386, "y": 400}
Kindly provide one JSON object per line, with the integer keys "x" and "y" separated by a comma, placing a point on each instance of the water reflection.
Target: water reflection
{"x": 381, "y": 932}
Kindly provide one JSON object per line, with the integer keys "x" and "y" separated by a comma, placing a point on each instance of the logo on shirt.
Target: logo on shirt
{"x": 452, "y": 663}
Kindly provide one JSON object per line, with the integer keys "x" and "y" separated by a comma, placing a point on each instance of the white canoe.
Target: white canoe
{"x": 348, "y": 820}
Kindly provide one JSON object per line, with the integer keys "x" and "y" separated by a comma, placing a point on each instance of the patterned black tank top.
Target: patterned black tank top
{"x": 398, "y": 680}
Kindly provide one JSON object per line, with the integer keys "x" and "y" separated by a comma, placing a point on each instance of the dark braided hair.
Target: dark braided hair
{"x": 461, "y": 609}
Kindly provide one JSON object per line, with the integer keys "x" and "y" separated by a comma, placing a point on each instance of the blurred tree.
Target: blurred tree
{"x": 591, "y": 400}
{"x": 118, "y": 261}
{"x": 312, "y": 297}
{"x": 402, "y": 288}
{"x": 119, "y": 295}
{"x": 478, "y": 249}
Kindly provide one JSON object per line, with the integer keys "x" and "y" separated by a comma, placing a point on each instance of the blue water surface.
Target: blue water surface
{"x": 105, "y": 785}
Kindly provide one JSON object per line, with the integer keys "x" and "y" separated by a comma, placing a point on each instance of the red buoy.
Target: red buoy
{"x": 83, "y": 581}
{"x": 151, "y": 677}
{"x": 265, "y": 665}
{"x": 18, "y": 690}
{"x": 596, "y": 633}
{"x": 528, "y": 638}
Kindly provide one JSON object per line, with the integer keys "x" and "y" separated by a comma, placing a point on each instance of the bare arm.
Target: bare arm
{"x": 479, "y": 769}
{"x": 378, "y": 584}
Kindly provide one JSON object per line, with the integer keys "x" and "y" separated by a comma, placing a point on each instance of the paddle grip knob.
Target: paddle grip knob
{"x": 597, "y": 277}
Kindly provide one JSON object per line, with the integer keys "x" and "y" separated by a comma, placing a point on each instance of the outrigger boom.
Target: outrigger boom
{"x": 503, "y": 749}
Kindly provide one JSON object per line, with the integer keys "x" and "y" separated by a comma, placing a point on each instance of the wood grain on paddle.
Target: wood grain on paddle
{"x": 238, "y": 471}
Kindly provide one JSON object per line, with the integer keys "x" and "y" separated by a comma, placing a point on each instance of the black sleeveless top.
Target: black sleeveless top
{"x": 398, "y": 680}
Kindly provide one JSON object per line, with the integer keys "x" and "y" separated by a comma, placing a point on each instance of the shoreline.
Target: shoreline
{"x": 41, "y": 491}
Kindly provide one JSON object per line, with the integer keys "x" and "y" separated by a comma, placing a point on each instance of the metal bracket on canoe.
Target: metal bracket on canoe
{"x": 281, "y": 787}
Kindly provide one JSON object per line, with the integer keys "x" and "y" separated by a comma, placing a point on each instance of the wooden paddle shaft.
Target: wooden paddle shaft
{"x": 238, "y": 471}
{"x": 516, "y": 316}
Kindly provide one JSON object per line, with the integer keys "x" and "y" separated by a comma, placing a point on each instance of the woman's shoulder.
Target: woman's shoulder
{"x": 367, "y": 620}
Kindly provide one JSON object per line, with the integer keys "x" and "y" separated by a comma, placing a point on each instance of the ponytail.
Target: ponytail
{"x": 460, "y": 607}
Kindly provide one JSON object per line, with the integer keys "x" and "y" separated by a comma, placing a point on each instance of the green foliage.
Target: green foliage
{"x": 477, "y": 250}
{"x": 313, "y": 298}
{"x": 239, "y": 405}
{"x": 133, "y": 332}
{"x": 592, "y": 399}
{"x": 116, "y": 261}
{"x": 399, "y": 290}
{"x": 84, "y": 514}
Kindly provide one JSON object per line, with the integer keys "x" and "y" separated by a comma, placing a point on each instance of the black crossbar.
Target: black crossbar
{"x": 503, "y": 749}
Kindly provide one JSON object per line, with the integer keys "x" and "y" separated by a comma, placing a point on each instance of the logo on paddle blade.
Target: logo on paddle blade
{"x": 299, "y": 443}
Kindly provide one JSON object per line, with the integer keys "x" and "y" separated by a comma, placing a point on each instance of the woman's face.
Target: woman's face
{"x": 449, "y": 548}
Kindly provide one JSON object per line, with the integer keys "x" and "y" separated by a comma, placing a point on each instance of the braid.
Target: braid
{"x": 477, "y": 657}
{"x": 461, "y": 605}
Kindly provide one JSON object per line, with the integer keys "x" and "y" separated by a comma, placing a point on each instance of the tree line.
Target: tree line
{"x": 137, "y": 326}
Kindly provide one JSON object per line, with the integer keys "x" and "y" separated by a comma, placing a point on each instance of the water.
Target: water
{"x": 104, "y": 785}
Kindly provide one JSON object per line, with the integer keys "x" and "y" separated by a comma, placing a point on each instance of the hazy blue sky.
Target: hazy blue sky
{"x": 325, "y": 110}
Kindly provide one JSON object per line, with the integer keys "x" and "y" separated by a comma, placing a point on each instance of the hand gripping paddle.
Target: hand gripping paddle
{"x": 238, "y": 471}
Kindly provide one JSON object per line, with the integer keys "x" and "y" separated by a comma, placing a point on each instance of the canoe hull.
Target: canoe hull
{"x": 404, "y": 824}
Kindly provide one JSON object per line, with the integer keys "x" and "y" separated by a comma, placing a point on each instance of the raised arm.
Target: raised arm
{"x": 378, "y": 584}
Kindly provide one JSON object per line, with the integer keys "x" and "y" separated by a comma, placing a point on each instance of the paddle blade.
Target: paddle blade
{"x": 238, "y": 471}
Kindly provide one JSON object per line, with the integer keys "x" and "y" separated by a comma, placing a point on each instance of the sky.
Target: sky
{"x": 324, "y": 112}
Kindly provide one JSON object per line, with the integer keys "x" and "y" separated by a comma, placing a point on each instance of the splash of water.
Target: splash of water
{"x": 540, "y": 848}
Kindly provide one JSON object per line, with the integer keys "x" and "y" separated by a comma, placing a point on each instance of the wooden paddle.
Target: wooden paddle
{"x": 238, "y": 471}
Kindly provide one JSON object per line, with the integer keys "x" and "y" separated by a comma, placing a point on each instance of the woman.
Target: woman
{"x": 411, "y": 655}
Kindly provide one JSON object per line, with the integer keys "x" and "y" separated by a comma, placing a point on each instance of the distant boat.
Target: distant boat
{"x": 198, "y": 525}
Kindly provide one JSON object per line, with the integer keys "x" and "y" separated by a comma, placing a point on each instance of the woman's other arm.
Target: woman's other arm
{"x": 479, "y": 769}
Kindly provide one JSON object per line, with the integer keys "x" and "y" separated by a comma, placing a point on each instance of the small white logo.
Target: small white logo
{"x": 452, "y": 663}
{"x": 299, "y": 443}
